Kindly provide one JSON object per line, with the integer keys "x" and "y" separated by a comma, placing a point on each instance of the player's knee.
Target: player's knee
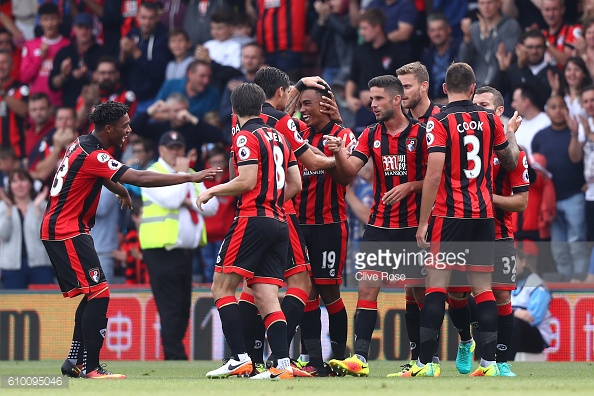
{"x": 502, "y": 296}
{"x": 329, "y": 293}
{"x": 301, "y": 281}
{"x": 368, "y": 293}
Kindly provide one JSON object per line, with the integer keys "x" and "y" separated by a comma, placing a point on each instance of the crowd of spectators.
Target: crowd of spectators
{"x": 176, "y": 62}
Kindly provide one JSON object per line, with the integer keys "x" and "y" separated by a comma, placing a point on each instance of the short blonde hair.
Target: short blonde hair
{"x": 415, "y": 68}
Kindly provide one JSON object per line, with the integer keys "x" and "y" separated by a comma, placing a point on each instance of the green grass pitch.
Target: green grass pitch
{"x": 188, "y": 378}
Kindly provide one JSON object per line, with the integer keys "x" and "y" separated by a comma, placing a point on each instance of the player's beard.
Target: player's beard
{"x": 413, "y": 102}
{"x": 385, "y": 115}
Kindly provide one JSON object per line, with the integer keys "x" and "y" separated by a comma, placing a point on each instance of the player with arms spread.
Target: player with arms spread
{"x": 69, "y": 217}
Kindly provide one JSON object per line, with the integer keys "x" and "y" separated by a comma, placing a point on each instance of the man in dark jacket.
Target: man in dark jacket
{"x": 144, "y": 55}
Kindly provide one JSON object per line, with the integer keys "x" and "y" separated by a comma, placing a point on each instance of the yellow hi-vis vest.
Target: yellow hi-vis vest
{"x": 159, "y": 227}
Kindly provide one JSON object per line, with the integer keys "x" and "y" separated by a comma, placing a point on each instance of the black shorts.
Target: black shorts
{"x": 77, "y": 265}
{"x": 298, "y": 258}
{"x": 256, "y": 248}
{"x": 413, "y": 275}
{"x": 469, "y": 242}
{"x": 504, "y": 270}
{"x": 327, "y": 248}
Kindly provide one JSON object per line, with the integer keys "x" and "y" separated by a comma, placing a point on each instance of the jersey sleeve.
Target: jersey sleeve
{"x": 101, "y": 164}
{"x": 287, "y": 126}
{"x": 500, "y": 139}
{"x": 572, "y": 33}
{"x": 246, "y": 148}
{"x": 361, "y": 149}
{"x": 436, "y": 136}
{"x": 518, "y": 178}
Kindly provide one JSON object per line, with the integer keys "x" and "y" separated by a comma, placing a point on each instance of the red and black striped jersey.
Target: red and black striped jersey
{"x": 119, "y": 95}
{"x": 289, "y": 127}
{"x": 397, "y": 159}
{"x": 321, "y": 200}
{"x": 431, "y": 110}
{"x": 281, "y": 25}
{"x": 506, "y": 183}
{"x": 76, "y": 188}
{"x": 12, "y": 127}
{"x": 258, "y": 144}
{"x": 468, "y": 135}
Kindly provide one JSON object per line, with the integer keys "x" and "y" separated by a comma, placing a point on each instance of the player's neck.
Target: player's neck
{"x": 102, "y": 139}
{"x": 396, "y": 124}
{"x": 243, "y": 120}
{"x": 421, "y": 108}
{"x": 273, "y": 103}
{"x": 318, "y": 126}
{"x": 455, "y": 96}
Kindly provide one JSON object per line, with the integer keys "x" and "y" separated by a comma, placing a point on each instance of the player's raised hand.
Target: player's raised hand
{"x": 125, "y": 201}
{"x": 422, "y": 236}
{"x": 514, "y": 123}
{"x": 334, "y": 144}
{"x": 328, "y": 106}
{"x": 203, "y": 197}
{"x": 206, "y": 174}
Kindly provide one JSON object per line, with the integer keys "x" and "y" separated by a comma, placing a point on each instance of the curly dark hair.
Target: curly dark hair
{"x": 107, "y": 113}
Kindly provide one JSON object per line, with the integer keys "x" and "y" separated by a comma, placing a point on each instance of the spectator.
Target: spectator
{"x": 243, "y": 31}
{"x": 13, "y": 107}
{"x": 252, "y": 59}
{"x": 482, "y": 40}
{"x": 177, "y": 118}
{"x": 8, "y": 163}
{"x": 144, "y": 55}
{"x": 129, "y": 254}
{"x": 68, "y": 10}
{"x": 526, "y": 12}
{"x": 172, "y": 15}
{"x": 454, "y": 11}
{"x": 6, "y": 44}
{"x": 581, "y": 148}
{"x": 105, "y": 231}
{"x": 527, "y": 102}
{"x": 119, "y": 17}
{"x": 23, "y": 259}
{"x": 530, "y": 302}
{"x": 72, "y": 64}
{"x": 41, "y": 113}
{"x": 104, "y": 86}
{"x": 171, "y": 228}
{"x": 531, "y": 67}
{"x": 197, "y": 18}
{"x": 375, "y": 57}
{"x": 442, "y": 52}
{"x": 7, "y": 22}
{"x": 336, "y": 40}
{"x": 49, "y": 151}
{"x": 218, "y": 225}
{"x": 401, "y": 17}
{"x": 143, "y": 157}
{"x": 568, "y": 231}
{"x": 574, "y": 78}
{"x": 24, "y": 12}
{"x": 584, "y": 46}
{"x": 223, "y": 48}
{"x": 202, "y": 96}
{"x": 38, "y": 53}
{"x": 280, "y": 27}
{"x": 560, "y": 35}
{"x": 179, "y": 45}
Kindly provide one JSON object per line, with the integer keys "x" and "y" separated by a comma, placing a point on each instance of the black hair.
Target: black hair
{"x": 107, "y": 113}
{"x": 270, "y": 79}
{"x": 48, "y": 9}
{"x": 247, "y": 100}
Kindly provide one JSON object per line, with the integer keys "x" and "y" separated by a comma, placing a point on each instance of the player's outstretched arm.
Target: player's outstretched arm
{"x": 431, "y": 183}
{"x": 245, "y": 181}
{"x": 155, "y": 179}
{"x": 314, "y": 162}
{"x": 512, "y": 203}
{"x": 292, "y": 182}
